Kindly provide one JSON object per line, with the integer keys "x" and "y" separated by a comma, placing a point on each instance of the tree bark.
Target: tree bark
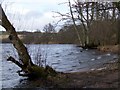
{"x": 75, "y": 26}
{"x": 14, "y": 61}
{"x": 22, "y": 50}
{"x": 27, "y": 65}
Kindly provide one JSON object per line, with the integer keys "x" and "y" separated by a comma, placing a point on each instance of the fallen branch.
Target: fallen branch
{"x": 15, "y": 61}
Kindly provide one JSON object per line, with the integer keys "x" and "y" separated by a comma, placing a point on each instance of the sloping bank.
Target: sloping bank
{"x": 105, "y": 76}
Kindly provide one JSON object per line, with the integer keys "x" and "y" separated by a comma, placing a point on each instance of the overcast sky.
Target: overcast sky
{"x": 30, "y": 15}
{"x": 33, "y": 14}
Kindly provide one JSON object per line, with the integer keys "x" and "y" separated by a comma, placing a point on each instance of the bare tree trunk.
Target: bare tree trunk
{"x": 87, "y": 36}
{"x": 75, "y": 26}
{"x": 118, "y": 7}
{"x": 27, "y": 65}
{"x": 22, "y": 50}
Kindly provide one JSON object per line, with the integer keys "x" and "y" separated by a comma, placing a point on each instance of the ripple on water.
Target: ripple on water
{"x": 64, "y": 58}
{"x": 93, "y": 59}
{"x": 108, "y": 54}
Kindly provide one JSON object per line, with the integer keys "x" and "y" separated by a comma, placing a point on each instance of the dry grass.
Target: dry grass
{"x": 109, "y": 48}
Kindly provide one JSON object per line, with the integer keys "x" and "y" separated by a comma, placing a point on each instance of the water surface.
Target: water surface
{"x": 62, "y": 57}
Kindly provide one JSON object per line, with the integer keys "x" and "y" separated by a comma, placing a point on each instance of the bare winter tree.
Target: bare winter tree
{"x": 75, "y": 26}
{"x": 27, "y": 66}
{"x": 48, "y": 33}
{"x": 86, "y": 14}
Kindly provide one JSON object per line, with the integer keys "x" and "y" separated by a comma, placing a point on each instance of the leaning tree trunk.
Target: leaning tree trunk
{"x": 27, "y": 65}
{"x": 75, "y": 26}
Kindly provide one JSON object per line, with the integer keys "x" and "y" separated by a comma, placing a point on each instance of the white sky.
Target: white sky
{"x": 29, "y": 15}
{"x": 33, "y": 14}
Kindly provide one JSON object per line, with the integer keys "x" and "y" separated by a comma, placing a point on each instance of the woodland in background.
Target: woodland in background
{"x": 94, "y": 23}
{"x": 102, "y": 33}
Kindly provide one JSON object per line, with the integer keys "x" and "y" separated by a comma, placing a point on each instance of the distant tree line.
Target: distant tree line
{"x": 88, "y": 24}
{"x": 102, "y": 33}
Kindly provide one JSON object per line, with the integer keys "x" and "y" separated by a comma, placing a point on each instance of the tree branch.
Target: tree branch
{"x": 15, "y": 61}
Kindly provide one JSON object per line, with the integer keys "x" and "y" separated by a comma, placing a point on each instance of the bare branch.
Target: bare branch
{"x": 63, "y": 3}
{"x": 15, "y": 61}
{"x": 67, "y": 14}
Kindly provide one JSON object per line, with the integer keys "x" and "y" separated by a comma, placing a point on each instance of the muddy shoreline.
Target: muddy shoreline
{"x": 105, "y": 76}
